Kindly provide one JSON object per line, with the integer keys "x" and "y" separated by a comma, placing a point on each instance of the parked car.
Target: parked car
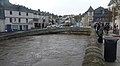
{"x": 48, "y": 27}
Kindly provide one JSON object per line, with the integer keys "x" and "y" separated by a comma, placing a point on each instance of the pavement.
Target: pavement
{"x": 117, "y": 62}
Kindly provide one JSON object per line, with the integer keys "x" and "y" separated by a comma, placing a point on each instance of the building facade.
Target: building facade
{"x": 17, "y": 17}
{"x": 87, "y": 17}
{"x": 101, "y": 15}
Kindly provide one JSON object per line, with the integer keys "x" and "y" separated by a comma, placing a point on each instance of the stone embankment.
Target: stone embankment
{"x": 93, "y": 53}
{"x": 83, "y": 31}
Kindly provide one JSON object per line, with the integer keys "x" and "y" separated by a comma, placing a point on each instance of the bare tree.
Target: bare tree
{"x": 117, "y": 3}
{"x": 116, "y": 10}
{"x": 117, "y": 6}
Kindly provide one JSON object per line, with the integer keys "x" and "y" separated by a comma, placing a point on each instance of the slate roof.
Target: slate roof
{"x": 90, "y": 9}
{"x": 111, "y": 2}
{"x": 99, "y": 13}
{"x": 13, "y": 7}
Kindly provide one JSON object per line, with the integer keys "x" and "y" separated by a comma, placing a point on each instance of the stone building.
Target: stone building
{"x": 87, "y": 17}
{"x": 91, "y": 16}
{"x": 101, "y": 15}
{"x": 16, "y": 17}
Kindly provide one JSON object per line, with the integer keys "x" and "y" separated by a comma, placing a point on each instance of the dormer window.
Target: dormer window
{"x": 26, "y": 14}
{"x": 10, "y": 12}
{"x": 10, "y": 20}
{"x": 26, "y": 20}
{"x": 19, "y": 13}
{"x": 19, "y": 20}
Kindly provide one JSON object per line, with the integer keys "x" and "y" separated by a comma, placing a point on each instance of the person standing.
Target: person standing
{"x": 97, "y": 27}
{"x": 106, "y": 28}
{"x": 100, "y": 34}
{"x": 114, "y": 28}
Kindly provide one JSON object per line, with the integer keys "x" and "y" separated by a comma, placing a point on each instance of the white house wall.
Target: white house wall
{"x": 16, "y": 14}
{"x": 15, "y": 24}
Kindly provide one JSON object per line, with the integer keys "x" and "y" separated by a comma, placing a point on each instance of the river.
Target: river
{"x": 44, "y": 50}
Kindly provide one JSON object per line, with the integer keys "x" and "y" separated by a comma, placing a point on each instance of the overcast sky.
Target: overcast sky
{"x": 62, "y": 7}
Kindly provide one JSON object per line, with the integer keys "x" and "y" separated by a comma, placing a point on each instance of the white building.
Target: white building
{"x": 16, "y": 17}
{"x": 87, "y": 17}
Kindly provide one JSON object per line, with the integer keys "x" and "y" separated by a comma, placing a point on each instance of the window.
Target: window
{"x": 10, "y": 20}
{"x": 15, "y": 19}
{"x": 26, "y": 14}
{"x": 10, "y": 12}
{"x": 19, "y": 13}
{"x": 43, "y": 20}
{"x": 19, "y": 20}
{"x": 39, "y": 14}
{"x": 26, "y": 20}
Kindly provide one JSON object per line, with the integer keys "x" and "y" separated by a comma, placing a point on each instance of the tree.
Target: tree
{"x": 117, "y": 6}
{"x": 115, "y": 10}
{"x": 117, "y": 3}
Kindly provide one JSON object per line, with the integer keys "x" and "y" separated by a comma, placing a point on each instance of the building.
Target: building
{"x": 101, "y": 15}
{"x": 113, "y": 7}
{"x": 87, "y": 17}
{"x": 91, "y": 16}
{"x": 16, "y": 17}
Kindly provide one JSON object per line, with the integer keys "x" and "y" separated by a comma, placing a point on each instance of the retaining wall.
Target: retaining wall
{"x": 82, "y": 31}
{"x": 93, "y": 53}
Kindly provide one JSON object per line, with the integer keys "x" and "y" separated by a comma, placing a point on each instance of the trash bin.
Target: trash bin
{"x": 110, "y": 48}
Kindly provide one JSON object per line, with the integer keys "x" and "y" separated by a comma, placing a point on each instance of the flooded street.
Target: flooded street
{"x": 43, "y": 50}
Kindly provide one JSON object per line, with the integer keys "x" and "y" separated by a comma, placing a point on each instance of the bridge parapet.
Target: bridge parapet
{"x": 93, "y": 53}
{"x": 80, "y": 31}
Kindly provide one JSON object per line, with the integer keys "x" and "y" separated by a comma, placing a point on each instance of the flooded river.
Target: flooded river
{"x": 43, "y": 50}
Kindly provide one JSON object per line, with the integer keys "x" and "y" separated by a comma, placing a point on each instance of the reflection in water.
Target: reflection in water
{"x": 44, "y": 50}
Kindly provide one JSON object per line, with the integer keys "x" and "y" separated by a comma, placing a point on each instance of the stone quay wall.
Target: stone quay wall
{"x": 82, "y": 31}
{"x": 93, "y": 52}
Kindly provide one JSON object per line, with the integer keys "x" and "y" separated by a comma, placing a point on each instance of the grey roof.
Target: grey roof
{"x": 8, "y": 6}
{"x": 13, "y": 7}
{"x": 98, "y": 9}
{"x": 90, "y": 9}
{"x": 101, "y": 13}
{"x": 111, "y": 2}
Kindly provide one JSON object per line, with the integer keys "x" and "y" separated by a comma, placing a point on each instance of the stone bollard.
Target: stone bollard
{"x": 93, "y": 57}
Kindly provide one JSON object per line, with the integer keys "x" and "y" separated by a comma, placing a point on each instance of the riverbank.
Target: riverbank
{"x": 80, "y": 31}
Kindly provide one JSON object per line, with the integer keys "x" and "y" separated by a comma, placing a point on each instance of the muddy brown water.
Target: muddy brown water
{"x": 44, "y": 50}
